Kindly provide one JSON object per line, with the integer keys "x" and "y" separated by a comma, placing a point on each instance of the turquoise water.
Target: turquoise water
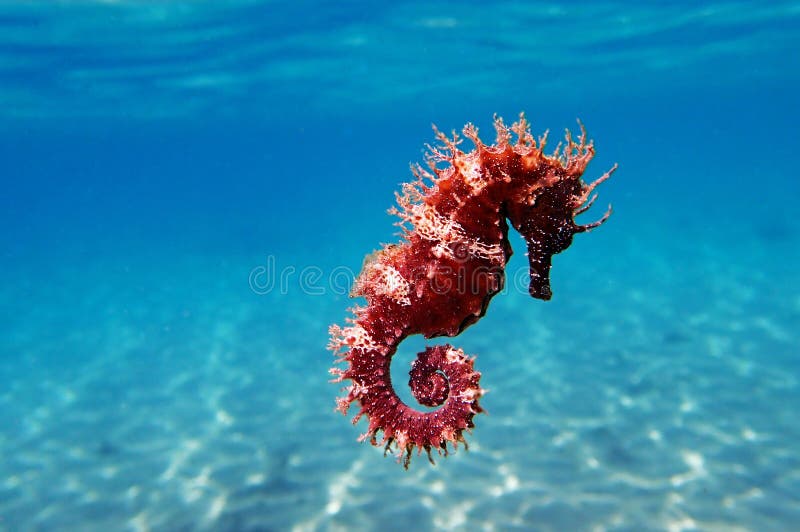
{"x": 189, "y": 186}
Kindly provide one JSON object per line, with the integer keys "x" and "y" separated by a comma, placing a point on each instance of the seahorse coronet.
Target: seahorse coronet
{"x": 440, "y": 278}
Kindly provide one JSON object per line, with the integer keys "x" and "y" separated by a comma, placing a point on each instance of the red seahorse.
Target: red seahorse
{"x": 441, "y": 277}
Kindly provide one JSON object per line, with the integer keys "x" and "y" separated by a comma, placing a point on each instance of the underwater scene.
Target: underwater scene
{"x": 225, "y": 224}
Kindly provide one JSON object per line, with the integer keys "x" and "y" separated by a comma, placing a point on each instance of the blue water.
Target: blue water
{"x": 188, "y": 188}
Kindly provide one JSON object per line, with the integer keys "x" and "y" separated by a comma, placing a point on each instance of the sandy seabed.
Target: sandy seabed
{"x": 653, "y": 392}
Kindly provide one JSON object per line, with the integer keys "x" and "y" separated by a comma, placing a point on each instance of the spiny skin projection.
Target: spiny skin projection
{"x": 440, "y": 278}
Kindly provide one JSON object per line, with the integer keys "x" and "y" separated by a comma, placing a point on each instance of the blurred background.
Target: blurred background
{"x": 188, "y": 188}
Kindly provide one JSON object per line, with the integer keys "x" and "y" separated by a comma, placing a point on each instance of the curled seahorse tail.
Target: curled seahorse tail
{"x": 441, "y": 376}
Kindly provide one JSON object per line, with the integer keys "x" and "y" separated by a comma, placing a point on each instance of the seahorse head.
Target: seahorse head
{"x": 543, "y": 199}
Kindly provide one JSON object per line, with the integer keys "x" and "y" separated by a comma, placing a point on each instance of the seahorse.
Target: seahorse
{"x": 439, "y": 279}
